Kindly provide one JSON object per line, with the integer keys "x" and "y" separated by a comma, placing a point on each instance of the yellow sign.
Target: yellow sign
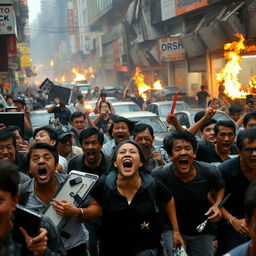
{"x": 24, "y": 52}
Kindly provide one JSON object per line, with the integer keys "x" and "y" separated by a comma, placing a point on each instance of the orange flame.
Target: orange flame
{"x": 63, "y": 79}
{"x": 142, "y": 87}
{"x": 79, "y": 76}
{"x": 229, "y": 74}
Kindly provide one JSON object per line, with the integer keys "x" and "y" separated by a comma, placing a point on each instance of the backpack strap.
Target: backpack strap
{"x": 24, "y": 193}
{"x": 78, "y": 161}
{"x": 108, "y": 186}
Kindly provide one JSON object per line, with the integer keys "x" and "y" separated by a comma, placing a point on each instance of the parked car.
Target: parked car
{"x": 186, "y": 118}
{"x": 162, "y": 108}
{"x": 83, "y": 87}
{"x": 166, "y": 93}
{"x": 125, "y": 106}
{"x": 40, "y": 118}
{"x": 113, "y": 91}
{"x": 160, "y": 130}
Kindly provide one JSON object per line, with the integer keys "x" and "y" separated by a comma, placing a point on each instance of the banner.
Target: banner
{"x": 7, "y": 21}
{"x": 183, "y": 6}
{"x": 171, "y": 49}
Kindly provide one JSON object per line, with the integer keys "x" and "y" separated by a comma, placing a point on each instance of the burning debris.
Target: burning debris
{"x": 229, "y": 75}
{"x": 142, "y": 87}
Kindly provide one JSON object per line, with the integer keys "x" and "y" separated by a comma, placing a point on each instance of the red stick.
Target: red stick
{"x": 174, "y": 102}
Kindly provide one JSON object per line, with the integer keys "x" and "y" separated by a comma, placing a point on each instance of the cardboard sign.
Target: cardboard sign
{"x": 46, "y": 85}
{"x": 13, "y": 118}
{"x": 59, "y": 92}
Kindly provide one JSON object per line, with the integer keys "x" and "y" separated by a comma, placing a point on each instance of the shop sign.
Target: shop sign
{"x": 117, "y": 46}
{"x": 171, "y": 49}
{"x": 183, "y": 6}
{"x": 24, "y": 51}
{"x": 7, "y": 20}
{"x": 167, "y": 9}
{"x": 12, "y": 47}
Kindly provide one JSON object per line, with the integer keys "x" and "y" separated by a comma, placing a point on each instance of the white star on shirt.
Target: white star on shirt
{"x": 144, "y": 225}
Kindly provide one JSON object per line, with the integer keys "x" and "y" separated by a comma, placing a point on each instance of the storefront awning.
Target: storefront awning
{"x": 222, "y": 29}
{"x": 193, "y": 45}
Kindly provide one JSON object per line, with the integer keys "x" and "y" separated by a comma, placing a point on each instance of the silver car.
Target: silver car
{"x": 160, "y": 130}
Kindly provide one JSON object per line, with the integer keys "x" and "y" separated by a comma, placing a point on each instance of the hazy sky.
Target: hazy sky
{"x": 34, "y": 9}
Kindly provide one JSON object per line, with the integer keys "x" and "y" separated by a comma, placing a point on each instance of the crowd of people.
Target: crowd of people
{"x": 148, "y": 200}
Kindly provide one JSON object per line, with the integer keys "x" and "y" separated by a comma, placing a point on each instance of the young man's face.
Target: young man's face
{"x": 183, "y": 156}
{"x": 248, "y": 154}
{"x": 43, "y": 136}
{"x": 225, "y": 138}
{"x": 7, "y": 150}
{"x": 251, "y": 124}
{"x": 7, "y": 206}
{"x": 42, "y": 166}
{"x": 79, "y": 123}
{"x": 208, "y": 133}
{"x": 91, "y": 148}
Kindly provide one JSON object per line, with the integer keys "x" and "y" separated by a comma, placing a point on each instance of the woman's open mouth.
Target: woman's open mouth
{"x": 127, "y": 165}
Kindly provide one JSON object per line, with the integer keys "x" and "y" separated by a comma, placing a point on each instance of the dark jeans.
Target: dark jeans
{"x": 79, "y": 250}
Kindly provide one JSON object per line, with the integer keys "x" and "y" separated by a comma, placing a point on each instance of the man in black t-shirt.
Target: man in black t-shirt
{"x": 138, "y": 99}
{"x": 202, "y": 96}
{"x": 190, "y": 182}
{"x": 237, "y": 173}
{"x": 61, "y": 112}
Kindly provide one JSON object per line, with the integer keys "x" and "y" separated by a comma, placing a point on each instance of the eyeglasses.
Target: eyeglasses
{"x": 249, "y": 151}
{"x": 251, "y": 125}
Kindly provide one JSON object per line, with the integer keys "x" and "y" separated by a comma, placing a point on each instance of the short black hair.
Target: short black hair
{"x": 250, "y": 200}
{"x": 9, "y": 177}
{"x": 203, "y": 86}
{"x": 8, "y": 96}
{"x": 227, "y": 124}
{"x": 118, "y": 119}
{"x": 207, "y": 123}
{"x": 249, "y": 134}
{"x": 235, "y": 109}
{"x": 89, "y": 132}
{"x": 185, "y": 135}
{"x": 13, "y": 128}
{"x": 80, "y": 96}
{"x": 5, "y": 134}
{"x": 141, "y": 128}
{"x": 51, "y": 132}
{"x": 41, "y": 145}
{"x": 248, "y": 117}
{"x": 198, "y": 116}
{"x": 77, "y": 114}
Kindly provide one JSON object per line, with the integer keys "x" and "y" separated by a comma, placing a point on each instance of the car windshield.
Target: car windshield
{"x": 126, "y": 108}
{"x": 153, "y": 121}
{"x": 165, "y": 109}
{"x": 40, "y": 119}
